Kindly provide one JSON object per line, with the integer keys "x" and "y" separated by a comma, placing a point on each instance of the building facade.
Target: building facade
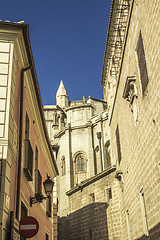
{"x": 131, "y": 86}
{"x": 26, "y": 157}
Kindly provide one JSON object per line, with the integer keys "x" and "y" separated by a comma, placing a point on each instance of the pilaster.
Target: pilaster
{"x": 91, "y": 160}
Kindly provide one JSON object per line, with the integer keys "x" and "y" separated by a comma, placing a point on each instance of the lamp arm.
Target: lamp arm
{"x": 38, "y": 198}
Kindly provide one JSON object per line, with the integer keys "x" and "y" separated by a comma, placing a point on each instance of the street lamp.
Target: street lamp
{"x": 48, "y": 186}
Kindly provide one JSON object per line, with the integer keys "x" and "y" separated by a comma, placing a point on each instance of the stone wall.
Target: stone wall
{"x": 135, "y": 125}
{"x": 94, "y": 209}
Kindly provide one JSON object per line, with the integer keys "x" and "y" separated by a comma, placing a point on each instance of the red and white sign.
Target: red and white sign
{"x": 28, "y": 227}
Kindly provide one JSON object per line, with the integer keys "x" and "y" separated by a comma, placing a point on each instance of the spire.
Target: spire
{"x": 62, "y": 96}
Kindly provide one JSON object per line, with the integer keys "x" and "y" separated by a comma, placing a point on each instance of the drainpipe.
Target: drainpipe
{"x": 20, "y": 142}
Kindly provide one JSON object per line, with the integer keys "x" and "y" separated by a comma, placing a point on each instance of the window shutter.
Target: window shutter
{"x": 28, "y": 165}
{"x": 38, "y": 182}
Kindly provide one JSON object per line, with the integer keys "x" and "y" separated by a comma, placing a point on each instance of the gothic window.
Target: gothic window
{"x": 142, "y": 64}
{"x": 81, "y": 163}
{"x": 63, "y": 165}
{"x": 55, "y": 119}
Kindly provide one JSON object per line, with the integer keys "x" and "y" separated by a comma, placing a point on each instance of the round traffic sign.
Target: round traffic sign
{"x": 28, "y": 227}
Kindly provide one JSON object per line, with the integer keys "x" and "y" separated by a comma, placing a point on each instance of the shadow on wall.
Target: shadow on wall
{"x": 87, "y": 223}
{"x": 154, "y": 234}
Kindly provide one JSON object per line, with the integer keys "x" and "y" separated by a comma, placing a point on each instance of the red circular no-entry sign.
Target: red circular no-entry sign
{"x": 28, "y": 227}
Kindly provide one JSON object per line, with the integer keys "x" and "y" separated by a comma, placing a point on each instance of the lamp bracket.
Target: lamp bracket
{"x": 37, "y": 199}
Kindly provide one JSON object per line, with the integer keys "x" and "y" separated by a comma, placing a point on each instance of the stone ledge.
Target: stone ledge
{"x": 91, "y": 180}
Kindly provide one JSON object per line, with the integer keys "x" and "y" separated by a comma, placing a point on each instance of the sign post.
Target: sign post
{"x": 28, "y": 227}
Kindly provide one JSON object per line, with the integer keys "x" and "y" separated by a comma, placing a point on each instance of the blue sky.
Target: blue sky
{"x": 68, "y": 43}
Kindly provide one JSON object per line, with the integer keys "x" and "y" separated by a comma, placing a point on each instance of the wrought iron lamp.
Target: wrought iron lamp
{"x": 48, "y": 186}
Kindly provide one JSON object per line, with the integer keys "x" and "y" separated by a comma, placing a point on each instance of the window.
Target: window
{"x": 28, "y": 158}
{"x": 118, "y": 144}
{"x": 80, "y": 163}
{"x": 36, "y": 158}
{"x": 47, "y": 237}
{"x": 108, "y": 193}
{"x": 80, "y": 167}
{"x": 55, "y": 119}
{"x": 27, "y": 127}
{"x": 38, "y": 182}
{"x": 92, "y": 197}
{"x": 63, "y": 165}
{"x": 38, "y": 177}
{"x": 142, "y": 64}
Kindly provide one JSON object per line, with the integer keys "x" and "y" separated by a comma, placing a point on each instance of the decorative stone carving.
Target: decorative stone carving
{"x": 130, "y": 94}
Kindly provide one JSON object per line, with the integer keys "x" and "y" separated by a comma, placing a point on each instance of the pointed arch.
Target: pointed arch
{"x": 80, "y": 166}
{"x": 80, "y": 161}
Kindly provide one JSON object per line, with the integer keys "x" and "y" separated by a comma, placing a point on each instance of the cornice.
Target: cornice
{"x": 79, "y": 106}
{"x": 91, "y": 180}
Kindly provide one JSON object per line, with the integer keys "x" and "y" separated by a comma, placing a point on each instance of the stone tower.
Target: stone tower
{"x": 62, "y": 96}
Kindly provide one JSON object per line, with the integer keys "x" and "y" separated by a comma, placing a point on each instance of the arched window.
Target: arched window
{"x": 63, "y": 166}
{"x": 81, "y": 163}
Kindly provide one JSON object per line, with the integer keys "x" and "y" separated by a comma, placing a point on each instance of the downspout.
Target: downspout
{"x": 20, "y": 142}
